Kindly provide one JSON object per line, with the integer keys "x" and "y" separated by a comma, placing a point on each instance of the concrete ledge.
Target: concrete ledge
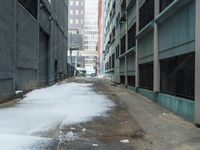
{"x": 171, "y": 10}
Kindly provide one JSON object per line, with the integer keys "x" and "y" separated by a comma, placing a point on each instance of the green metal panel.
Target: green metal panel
{"x": 180, "y": 106}
{"x": 131, "y": 88}
{"x": 145, "y": 48}
{"x": 177, "y": 34}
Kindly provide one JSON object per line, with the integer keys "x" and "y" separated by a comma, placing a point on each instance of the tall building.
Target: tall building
{"x": 91, "y": 24}
{"x": 152, "y": 47}
{"x": 76, "y": 23}
{"x": 33, "y": 44}
{"x": 91, "y": 35}
{"x": 99, "y": 35}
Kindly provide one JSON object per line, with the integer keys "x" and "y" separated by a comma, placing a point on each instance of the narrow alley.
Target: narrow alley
{"x": 89, "y": 114}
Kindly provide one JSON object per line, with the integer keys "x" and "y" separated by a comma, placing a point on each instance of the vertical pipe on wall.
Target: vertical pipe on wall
{"x": 136, "y": 51}
{"x": 38, "y": 40}
{"x": 14, "y": 44}
{"x": 156, "y": 73}
{"x": 197, "y": 66}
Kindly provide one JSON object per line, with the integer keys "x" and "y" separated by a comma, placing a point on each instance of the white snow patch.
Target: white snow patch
{"x": 45, "y": 109}
{"x": 125, "y": 141}
{"x": 84, "y": 130}
{"x": 70, "y": 136}
{"x": 18, "y": 92}
{"x": 95, "y": 145}
{"x": 19, "y": 142}
{"x": 72, "y": 128}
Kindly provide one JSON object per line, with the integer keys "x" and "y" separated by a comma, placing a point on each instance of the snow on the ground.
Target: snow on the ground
{"x": 125, "y": 141}
{"x": 45, "y": 109}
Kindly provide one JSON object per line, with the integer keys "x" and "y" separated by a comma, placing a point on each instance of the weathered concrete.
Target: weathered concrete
{"x": 21, "y": 64}
{"x": 197, "y": 67}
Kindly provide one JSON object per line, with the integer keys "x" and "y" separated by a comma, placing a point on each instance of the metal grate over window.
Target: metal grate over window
{"x": 31, "y": 6}
{"x": 177, "y": 76}
{"x": 113, "y": 60}
{"x": 131, "y": 36}
{"x": 123, "y": 45}
{"x": 131, "y": 80}
{"x": 146, "y": 13}
{"x": 146, "y": 76}
{"x": 164, "y": 4}
{"x": 117, "y": 52}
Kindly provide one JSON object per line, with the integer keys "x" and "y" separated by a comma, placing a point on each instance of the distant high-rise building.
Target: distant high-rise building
{"x": 91, "y": 24}
{"x": 76, "y": 23}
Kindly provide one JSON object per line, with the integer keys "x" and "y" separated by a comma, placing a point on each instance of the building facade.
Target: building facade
{"x": 99, "y": 35}
{"x": 151, "y": 47}
{"x": 33, "y": 44}
{"x": 91, "y": 35}
{"x": 76, "y": 23}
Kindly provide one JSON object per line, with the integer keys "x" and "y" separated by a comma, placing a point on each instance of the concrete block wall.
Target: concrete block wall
{"x": 20, "y": 45}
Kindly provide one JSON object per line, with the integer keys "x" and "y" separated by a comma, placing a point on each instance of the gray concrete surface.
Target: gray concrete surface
{"x": 145, "y": 124}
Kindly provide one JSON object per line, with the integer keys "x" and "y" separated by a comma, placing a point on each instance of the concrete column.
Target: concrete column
{"x": 38, "y": 40}
{"x": 126, "y": 48}
{"x": 136, "y": 50}
{"x": 197, "y": 66}
{"x": 156, "y": 72}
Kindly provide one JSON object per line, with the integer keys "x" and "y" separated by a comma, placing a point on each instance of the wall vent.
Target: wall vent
{"x": 31, "y": 6}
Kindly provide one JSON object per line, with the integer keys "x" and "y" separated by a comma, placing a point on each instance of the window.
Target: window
{"x": 117, "y": 52}
{"x": 110, "y": 62}
{"x": 71, "y": 3}
{"x": 77, "y": 3}
{"x": 77, "y": 12}
{"x": 164, "y": 4}
{"x": 131, "y": 36}
{"x": 146, "y": 13}
{"x": 146, "y": 76}
{"x": 113, "y": 60}
{"x": 122, "y": 79}
{"x": 123, "y": 44}
{"x": 71, "y": 21}
{"x": 131, "y": 80}
{"x": 31, "y": 6}
{"x": 76, "y": 21}
{"x": 123, "y": 6}
{"x": 112, "y": 36}
{"x": 177, "y": 76}
{"x": 71, "y": 12}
